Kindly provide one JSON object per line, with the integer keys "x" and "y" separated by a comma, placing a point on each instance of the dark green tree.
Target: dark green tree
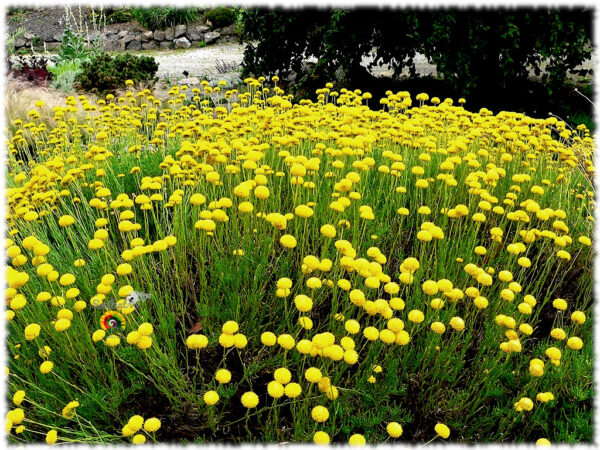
{"x": 475, "y": 51}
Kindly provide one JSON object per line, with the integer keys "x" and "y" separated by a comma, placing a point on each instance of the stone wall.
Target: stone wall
{"x": 130, "y": 36}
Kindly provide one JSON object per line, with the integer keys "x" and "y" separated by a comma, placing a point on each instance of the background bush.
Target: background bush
{"x": 119, "y": 15}
{"x": 221, "y": 16}
{"x": 157, "y": 18}
{"x": 105, "y": 74}
{"x": 476, "y": 52}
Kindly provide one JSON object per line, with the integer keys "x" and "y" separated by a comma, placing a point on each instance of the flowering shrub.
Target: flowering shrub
{"x": 338, "y": 270}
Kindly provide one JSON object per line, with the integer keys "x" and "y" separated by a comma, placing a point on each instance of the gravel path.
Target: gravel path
{"x": 202, "y": 62}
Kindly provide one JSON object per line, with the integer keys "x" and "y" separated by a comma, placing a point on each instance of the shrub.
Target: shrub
{"x": 33, "y": 68}
{"x": 75, "y": 48}
{"x": 474, "y": 51}
{"x": 64, "y": 75}
{"x": 119, "y": 15}
{"x": 157, "y": 18}
{"x": 221, "y": 16}
{"x": 105, "y": 74}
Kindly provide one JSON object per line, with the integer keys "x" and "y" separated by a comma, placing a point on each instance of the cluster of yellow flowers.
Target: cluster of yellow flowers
{"x": 386, "y": 230}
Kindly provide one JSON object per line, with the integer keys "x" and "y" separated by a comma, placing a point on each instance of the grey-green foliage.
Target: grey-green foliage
{"x": 75, "y": 47}
{"x": 65, "y": 73}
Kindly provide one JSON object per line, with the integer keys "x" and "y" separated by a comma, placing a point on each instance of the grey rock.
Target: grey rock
{"x": 159, "y": 35}
{"x": 194, "y": 35}
{"x": 149, "y": 45}
{"x": 231, "y": 29}
{"x": 211, "y": 37}
{"x": 229, "y": 39}
{"x": 201, "y": 28}
{"x": 127, "y": 39}
{"x": 51, "y": 45}
{"x": 109, "y": 46}
{"x": 169, "y": 34}
{"x": 20, "y": 42}
{"x": 45, "y": 34}
{"x": 191, "y": 81}
{"x": 58, "y": 37}
{"x": 182, "y": 42}
{"x": 179, "y": 30}
{"x": 123, "y": 33}
{"x": 134, "y": 45}
{"x": 166, "y": 44}
{"x": 146, "y": 36}
{"x": 28, "y": 35}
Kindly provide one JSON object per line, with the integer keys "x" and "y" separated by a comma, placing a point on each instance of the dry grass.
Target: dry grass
{"x": 20, "y": 96}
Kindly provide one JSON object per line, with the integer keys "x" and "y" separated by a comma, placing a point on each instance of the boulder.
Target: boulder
{"x": 27, "y": 35}
{"x": 228, "y": 30}
{"x": 46, "y": 34}
{"x": 146, "y": 36}
{"x": 196, "y": 32}
{"x": 52, "y": 45}
{"x": 127, "y": 39}
{"x": 149, "y": 45}
{"x": 109, "y": 45}
{"x": 134, "y": 45}
{"x": 20, "y": 42}
{"x": 182, "y": 42}
{"x": 159, "y": 35}
{"x": 194, "y": 35}
{"x": 211, "y": 37}
{"x": 166, "y": 44}
{"x": 58, "y": 37}
{"x": 169, "y": 34}
{"x": 123, "y": 33}
{"x": 179, "y": 30}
